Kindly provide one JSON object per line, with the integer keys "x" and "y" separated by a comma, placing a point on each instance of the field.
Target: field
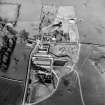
{"x": 19, "y": 63}
{"x": 12, "y": 83}
{"x": 11, "y": 93}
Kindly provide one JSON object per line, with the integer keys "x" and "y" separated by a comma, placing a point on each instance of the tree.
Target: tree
{"x": 24, "y": 34}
